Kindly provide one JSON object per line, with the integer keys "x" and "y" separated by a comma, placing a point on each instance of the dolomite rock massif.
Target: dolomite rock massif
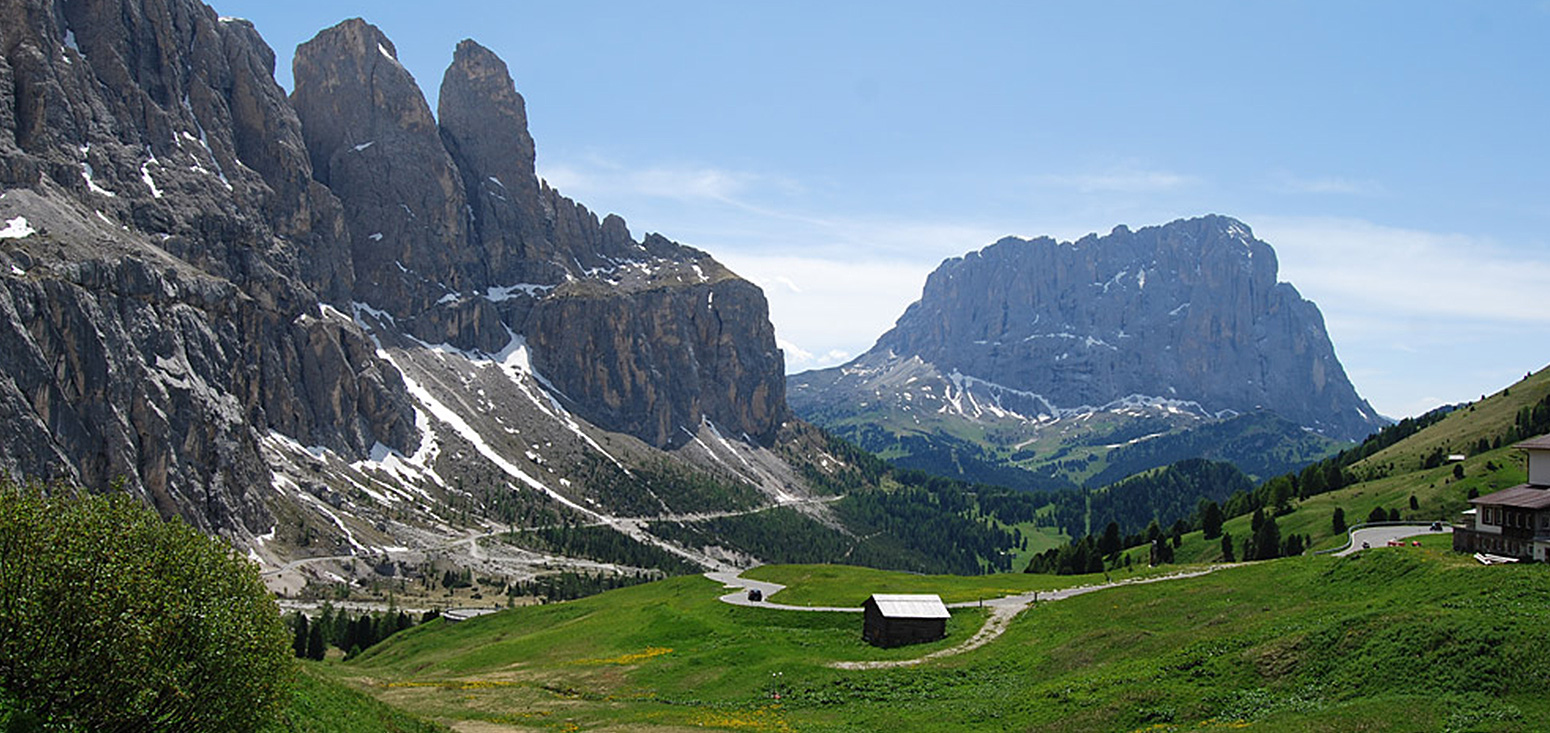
{"x": 312, "y": 322}
{"x": 458, "y": 240}
{"x": 1176, "y": 325}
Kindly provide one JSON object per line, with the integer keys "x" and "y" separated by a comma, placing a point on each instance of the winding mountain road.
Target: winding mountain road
{"x": 1381, "y": 535}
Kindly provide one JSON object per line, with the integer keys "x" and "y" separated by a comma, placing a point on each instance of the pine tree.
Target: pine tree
{"x": 1227, "y": 548}
{"x": 1110, "y": 542}
{"x": 1339, "y": 521}
{"x": 299, "y": 641}
{"x": 1293, "y": 547}
{"x": 316, "y": 647}
{"x": 1267, "y": 541}
{"x": 1211, "y": 520}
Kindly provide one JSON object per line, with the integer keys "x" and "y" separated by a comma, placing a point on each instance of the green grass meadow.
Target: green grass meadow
{"x": 1391, "y": 639}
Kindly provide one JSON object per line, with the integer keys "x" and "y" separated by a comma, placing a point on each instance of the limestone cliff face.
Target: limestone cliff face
{"x": 459, "y": 240}
{"x": 654, "y": 362}
{"x": 372, "y": 140}
{"x": 163, "y": 313}
{"x": 185, "y": 247}
{"x": 1190, "y": 312}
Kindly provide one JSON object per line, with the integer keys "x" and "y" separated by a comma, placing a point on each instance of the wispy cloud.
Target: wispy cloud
{"x": 1329, "y": 185}
{"x": 1418, "y": 313}
{"x": 793, "y": 352}
{"x": 731, "y": 210}
{"x": 1120, "y": 179}
{"x": 834, "y": 308}
{"x": 1407, "y": 272}
{"x": 597, "y": 176}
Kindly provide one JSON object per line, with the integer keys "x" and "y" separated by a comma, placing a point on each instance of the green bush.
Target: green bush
{"x": 113, "y": 619}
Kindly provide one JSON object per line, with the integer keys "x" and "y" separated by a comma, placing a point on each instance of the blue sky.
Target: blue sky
{"x": 1394, "y": 153}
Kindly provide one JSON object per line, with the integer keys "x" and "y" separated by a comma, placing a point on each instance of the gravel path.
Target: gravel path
{"x": 1002, "y": 610}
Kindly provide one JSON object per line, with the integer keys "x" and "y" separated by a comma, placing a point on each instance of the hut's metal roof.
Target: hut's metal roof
{"x": 1540, "y": 443}
{"x": 910, "y": 605}
{"x": 1522, "y": 496}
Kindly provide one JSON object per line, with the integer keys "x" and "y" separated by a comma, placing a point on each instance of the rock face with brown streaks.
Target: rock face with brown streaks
{"x": 630, "y": 332}
{"x": 187, "y": 250}
{"x": 1189, "y": 312}
{"x": 162, "y": 316}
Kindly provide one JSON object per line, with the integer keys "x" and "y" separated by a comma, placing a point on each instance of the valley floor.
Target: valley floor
{"x": 1391, "y": 639}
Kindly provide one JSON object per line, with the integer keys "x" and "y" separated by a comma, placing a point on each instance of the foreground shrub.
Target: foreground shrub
{"x": 113, "y": 619}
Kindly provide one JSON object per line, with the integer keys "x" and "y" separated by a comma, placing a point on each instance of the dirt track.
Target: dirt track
{"x": 1002, "y": 610}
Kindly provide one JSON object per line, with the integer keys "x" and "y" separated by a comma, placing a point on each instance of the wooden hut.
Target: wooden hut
{"x": 900, "y": 619}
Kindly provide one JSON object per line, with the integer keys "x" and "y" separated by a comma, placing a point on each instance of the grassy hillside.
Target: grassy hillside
{"x": 1399, "y": 473}
{"x": 1091, "y": 451}
{"x": 843, "y": 585}
{"x": 1411, "y": 639}
{"x": 1391, "y": 639}
{"x": 321, "y": 705}
{"x": 1459, "y": 432}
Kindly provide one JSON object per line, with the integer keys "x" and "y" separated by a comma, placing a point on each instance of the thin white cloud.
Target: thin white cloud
{"x": 841, "y": 307}
{"x": 1405, "y": 272}
{"x": 1330, "y": 185}
{"x": 793, "y": 352}
{"x": 786, "y": 283}
{"x": 1123, "y": 179}
{"x": 598, "y": 177}
{"x": 724, "y": 210}
{"x": 1416, "y": 314}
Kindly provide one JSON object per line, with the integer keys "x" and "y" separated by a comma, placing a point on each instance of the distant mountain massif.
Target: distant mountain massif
{"x": 1045, "y": 364}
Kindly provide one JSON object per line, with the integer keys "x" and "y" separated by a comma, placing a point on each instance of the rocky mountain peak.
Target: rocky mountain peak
{"x": 1190, "y": 313}
{"x": 351, "y": 90}
{"x": 479, "y": 106}
{"x": 373, "y": 141}
{"x": 208, "y": 287}
{"x": 484, "y": 127}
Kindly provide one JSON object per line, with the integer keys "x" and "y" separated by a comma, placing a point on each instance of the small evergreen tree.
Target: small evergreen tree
{"x": 1110, "y": 542}
{"x": 1267, "y": 541}
{"x": 1211, "y": 520}
{"x": 1339, "y": 522}
{"x": 1227, "y": 548}
{"x": 1293, "y": 547}
{"x": 1162, "y": 551}
{"x": 1378, "y": 514}
{"x": 299, "y": 639}
{"x": 1393, "y": 515}
{"x": 317, "y": 648}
